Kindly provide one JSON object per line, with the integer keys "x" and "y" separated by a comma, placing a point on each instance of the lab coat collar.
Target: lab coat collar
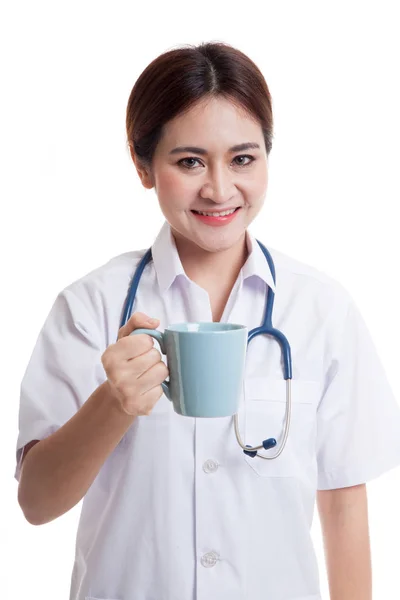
{"x": 168, "y": 264}
{"x": 256, "y": 263}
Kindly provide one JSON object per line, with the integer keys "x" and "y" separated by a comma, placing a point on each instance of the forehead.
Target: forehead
{"x": 211, "y": 120}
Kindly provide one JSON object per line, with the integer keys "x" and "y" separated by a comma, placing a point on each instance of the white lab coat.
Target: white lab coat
{"x": 178, "y": 512}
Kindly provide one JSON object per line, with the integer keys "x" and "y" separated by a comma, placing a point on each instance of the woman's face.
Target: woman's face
{"x": 212, "y": 180}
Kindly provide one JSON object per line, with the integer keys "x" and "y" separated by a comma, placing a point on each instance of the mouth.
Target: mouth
{"x": 221, "y": 213}
{"x": 216, "y": 217}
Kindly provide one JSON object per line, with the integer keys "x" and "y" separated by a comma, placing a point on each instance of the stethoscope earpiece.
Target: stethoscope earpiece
{"x": 269, "y": 443}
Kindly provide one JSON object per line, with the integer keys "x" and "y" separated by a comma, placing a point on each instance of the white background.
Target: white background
{"x": 71, "y": 198}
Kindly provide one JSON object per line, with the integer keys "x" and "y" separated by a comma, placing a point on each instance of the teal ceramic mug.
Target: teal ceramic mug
{"x": 206, "y": 363}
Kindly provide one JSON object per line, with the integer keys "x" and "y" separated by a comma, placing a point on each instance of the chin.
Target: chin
{"x": 219, "y": 242}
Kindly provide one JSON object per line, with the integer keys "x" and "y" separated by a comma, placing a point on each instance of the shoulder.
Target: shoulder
{"x": 94, "y": 302}
{"x": 298, "y": 277}
{"x": 289, "y": 266}
{"x": 109, "y": 276}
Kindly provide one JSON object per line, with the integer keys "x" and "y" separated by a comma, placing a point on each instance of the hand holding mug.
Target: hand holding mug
{"x": 134, "y": 368}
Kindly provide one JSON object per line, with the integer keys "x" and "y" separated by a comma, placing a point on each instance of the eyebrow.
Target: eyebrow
{"x": 196, "y": 150}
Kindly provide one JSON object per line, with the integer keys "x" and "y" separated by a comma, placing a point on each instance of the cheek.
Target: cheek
{"x": 260, "y": 181}
{"x": 171, "y": 183}
{"x": 256, "y": 187}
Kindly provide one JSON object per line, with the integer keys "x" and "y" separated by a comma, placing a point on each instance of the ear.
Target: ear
{"x": 144, "y": 173}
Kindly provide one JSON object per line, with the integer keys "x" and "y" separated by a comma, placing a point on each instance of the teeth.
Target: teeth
{"x": 216, "y": 214}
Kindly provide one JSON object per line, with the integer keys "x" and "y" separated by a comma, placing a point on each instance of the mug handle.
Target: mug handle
{"x": 159, "y": 337}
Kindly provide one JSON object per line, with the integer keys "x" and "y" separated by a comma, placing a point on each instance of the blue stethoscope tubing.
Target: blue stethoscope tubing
{"x": 265, "y": 328}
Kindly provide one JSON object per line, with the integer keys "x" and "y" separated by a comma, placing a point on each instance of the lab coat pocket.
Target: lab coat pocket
{"x": 265, "y": 403}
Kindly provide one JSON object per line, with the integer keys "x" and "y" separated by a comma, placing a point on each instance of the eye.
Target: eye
{"x": 252, "y": 159}
{"x": 191, "y": 158}
{"x": 182, "y": 162}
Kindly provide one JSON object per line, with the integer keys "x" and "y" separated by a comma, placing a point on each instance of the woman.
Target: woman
{"x": 173, "y": 509}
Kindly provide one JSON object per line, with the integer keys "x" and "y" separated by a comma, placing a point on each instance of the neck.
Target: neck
{"x": 208, "y": 269}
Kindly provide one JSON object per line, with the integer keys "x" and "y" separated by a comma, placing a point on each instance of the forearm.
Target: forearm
{"x": 58, "y": 471}
{"x": 344, "y": 523}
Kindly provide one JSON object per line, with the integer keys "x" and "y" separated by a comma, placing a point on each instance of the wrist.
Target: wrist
{"x": 108, "y": 397}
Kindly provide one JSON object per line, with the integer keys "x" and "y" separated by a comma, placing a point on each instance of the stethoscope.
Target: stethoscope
{"x": 266, "y": 327}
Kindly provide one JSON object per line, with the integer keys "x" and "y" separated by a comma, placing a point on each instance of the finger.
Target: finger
{"x": 142, "y": 363}
{"x": 130, "y": 347}
{"x": 137, "y": 320}
{"x": 153, "y": 376}
{"x": 150, "y": 398}
{"x": 147, "y": 401}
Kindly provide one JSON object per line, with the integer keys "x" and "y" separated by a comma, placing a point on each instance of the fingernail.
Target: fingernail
{"x": 152, "y": 321}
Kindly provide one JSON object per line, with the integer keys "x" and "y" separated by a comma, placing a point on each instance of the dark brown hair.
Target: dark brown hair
{"x": 178, "y": 78}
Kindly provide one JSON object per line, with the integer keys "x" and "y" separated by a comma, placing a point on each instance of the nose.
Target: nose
{"x": 219, "y": 185}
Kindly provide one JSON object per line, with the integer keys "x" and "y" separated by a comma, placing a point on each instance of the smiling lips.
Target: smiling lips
{"x": 216, "y": 218}
{"x": 219, "y": 213}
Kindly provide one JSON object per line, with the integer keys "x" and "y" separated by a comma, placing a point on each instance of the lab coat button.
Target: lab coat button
{"x": 210, "y": 466}
{"x": 209, "y": 559}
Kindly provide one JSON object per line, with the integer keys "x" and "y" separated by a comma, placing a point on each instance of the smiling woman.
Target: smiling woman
{"x": 199, "y": 128}
{"x": 209, "y": 199}
{"x": 173, "y": 507}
